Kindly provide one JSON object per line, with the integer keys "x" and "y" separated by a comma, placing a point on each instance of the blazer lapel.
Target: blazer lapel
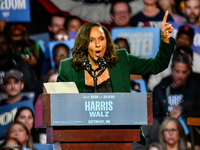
{"x": 116, "y": 76}
{"x": 80, "y": 80}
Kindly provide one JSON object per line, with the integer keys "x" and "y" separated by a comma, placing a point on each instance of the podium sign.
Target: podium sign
{"x": 98, "y": 109}
{"x": 94, "y": 120}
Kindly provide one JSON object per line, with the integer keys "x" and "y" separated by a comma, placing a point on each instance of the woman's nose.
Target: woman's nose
{"x": 97, "y": 44}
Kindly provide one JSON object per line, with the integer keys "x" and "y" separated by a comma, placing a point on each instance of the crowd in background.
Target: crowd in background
{"x": 24, "y": 68}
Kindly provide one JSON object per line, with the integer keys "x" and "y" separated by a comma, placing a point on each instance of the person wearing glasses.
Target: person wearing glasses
{"x": 62, "y": 35}
{"x": 171, "y": 135}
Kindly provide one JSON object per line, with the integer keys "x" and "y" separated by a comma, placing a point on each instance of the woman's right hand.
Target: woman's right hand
{"x": 31, "y": 60}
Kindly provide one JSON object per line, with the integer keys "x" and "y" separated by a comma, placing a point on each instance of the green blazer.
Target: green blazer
{"x": 120, "y": 74}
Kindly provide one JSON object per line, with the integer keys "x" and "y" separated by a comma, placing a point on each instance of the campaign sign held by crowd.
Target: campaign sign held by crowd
{"x": 143, "y": 42}
{"x": 15, "y": 10}
{"x": 7, "y": 114}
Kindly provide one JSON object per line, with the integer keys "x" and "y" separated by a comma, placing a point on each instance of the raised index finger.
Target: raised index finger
{"x": 165, "y": 17}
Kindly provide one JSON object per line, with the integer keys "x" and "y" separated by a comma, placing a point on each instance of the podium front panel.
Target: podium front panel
{"x": 98, "y": 109}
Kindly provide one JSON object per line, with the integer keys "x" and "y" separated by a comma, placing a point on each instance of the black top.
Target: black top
{"x": 104, "y": 87}
{"x": 140, "y": 20}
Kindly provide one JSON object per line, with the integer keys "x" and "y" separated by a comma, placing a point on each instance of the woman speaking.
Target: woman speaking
{"x": 97, "y": 65}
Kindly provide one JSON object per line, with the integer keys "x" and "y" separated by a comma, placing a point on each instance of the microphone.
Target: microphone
{"x": 86, "y": 65}
{"x": 102, "y": 65}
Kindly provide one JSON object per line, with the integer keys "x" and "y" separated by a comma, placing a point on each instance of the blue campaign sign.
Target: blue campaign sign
{"x": 143, "y": 42}
{"x": 15, "y": 10}
{"x": 43, "y": 39}
{"x": 39, "y": 146}
{"x": 196, "y": 39}
{"x": 7, "y": 114}
{"x": 69, "y": 43}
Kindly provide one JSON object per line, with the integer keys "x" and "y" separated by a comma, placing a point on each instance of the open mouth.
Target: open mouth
{"x": 97, "y": 53}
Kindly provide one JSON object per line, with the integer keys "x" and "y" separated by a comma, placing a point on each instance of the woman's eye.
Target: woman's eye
{"x": 101, "y": 38}
{"x": 91, "y": 40}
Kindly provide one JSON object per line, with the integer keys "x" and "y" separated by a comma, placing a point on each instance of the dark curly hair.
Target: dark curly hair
{"x": 82, "y": 42}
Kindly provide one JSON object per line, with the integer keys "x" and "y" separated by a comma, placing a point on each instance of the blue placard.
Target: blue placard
{"x": 39, "y": 146}
{"x": 143, "y": 42}
{"x": 69, "y": 43}
{"x": 196, "y": 39}
{"x": 43, "y": 39}
{"x": 15, "y": 10}
{"x": 7, "y": 114}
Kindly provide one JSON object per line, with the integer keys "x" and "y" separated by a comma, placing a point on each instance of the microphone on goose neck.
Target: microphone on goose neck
{"x": 87, "y": 65}
{"x": 102, "y": 65}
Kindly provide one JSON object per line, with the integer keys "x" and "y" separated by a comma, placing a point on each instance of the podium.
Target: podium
{"x": 94, "y": 120}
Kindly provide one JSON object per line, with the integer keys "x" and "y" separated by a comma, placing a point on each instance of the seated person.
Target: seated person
{"x": 171, "y": 135}
{"x": 13, "y": 85}
{"x": 24, "y": 137}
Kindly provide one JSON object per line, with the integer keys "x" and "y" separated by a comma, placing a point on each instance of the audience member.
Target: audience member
{"x": 120, "y": 14}
{"x": 122, "y": 43}
{"x": 171, "y": 135}
{"x": 154, "y": 146}
{"x": 28, "y": 49}
{"x": 51, "y": 76}
{"x": 19, "y": 131}
{"x": 26, "y": 116}
{"x": 60, "y": 52}
{"x": 192, "y": 12}
{"x": 170, "y": 5}
{"x": 174, "y": 95}
{"x": 62, "y": 35}
{"x": 11, "y": 143}
{"x": 57, "y": 22}
{"x": 73, "y": 23}
{"x": 13, "y": 85}
{"x": 150, "y": 16}
{"x": 9, "y": 61}
{"x": 184, "y": 38}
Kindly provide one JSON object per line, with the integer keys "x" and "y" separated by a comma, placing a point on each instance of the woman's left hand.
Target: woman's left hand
{"x": 166, "y": 29}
